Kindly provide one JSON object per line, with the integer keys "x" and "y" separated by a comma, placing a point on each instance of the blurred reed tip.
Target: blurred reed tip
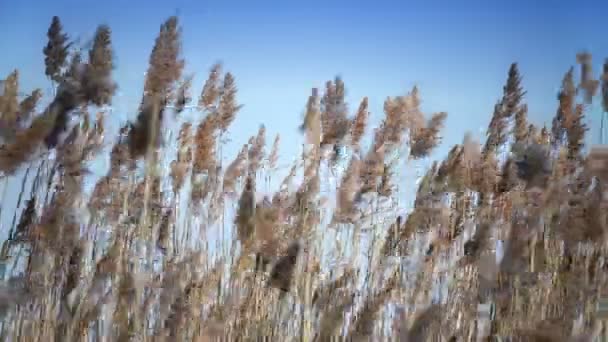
{"x": 164, "y": 231}
{"x": 265, "y": 221}
{"x": 282, "y": 272}
{"x": 228, "y": 106}
{"x": 587, "y": 84}
{"x": 391, "y": 241}
{"x": 245, "y": 212}
{"x": 273, "y": 157}
{"x": 602, "y": 308}
{"x": 533, "y": 163}
{"x": 14, "y": 292}
{"x": 422, "y": 325}
{"x": 204, "y": 140}
{"x": 597, "y": 161}
{"x": 424, "y": 139}
{"x": 145, "y": 133}
{"x": 235, "y": 170}
{"x": 311, "y": 125}
{"x": 359, "y": 123}
{"x": 324, "y": 293}
{"x": 97, "y": 84}
{"x": 256, "y": 151}
{"x": 165, "y": 63}
{"x": 471, "y": 247}
{"x": 27, "y": 218}
{"x": 181, "y": 166}
{"x": 334, "y": 122}
{"x": 183, "y": 96}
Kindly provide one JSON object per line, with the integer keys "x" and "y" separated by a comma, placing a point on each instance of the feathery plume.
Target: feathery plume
{"x": 496, "y": 135}
{"x": 359, "y": 123}
{"x": 564, "y": 115}
{"x": 576, "y": 132}
{"x": 334, "y": 122}
{"x": 165, "y": 68}
{"x": 145, "y": 133}
{"x": 273, "y": 157}
{"x": 204, "y": 139}
{"x": 265, "y": 220}
{"x": 347, "y": 192}
{"x": 426, "y": 138}
{"x": 211, "y": 89}
{"x": 56, "y": 50}
{"x": 9, "y": 101}
{"x": 165, "y": 64}
{"x": 97, "y": 84}
{"x": 235, "y": 169}
{"x": 512, "y": 92}
{"x": 312, "y": 119}
{"x": 228, "y": 106}
{"x": 256, "y": 150}
{"x": 27, "y": 106}
{"x": 45, "y": 127}
{"x": 521, "y": 129}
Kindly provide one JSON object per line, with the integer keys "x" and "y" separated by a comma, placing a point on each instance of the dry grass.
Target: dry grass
{"x": 191, "y": 252}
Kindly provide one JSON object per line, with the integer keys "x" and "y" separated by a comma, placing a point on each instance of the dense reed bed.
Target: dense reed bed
{"x": 506, "y": 238}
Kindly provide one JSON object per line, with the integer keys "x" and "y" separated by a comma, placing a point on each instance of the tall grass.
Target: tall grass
{"x": 505, "y": 239}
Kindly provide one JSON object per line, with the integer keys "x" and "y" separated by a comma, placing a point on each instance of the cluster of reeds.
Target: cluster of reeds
{"x": 194, "y": 252}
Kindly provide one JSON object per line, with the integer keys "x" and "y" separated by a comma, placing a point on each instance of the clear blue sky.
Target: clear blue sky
{"x": 458, "y": 52}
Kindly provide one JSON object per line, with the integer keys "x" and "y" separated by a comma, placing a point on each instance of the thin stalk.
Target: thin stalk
{"x": 25, "y": 177}
{"x": 149, "y": 156}
{"x": 50, "y": 182}
{"x": 4, "y": 189}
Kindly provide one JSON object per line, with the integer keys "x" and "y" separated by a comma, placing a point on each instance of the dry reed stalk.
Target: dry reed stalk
{"x": 363, "y": 323}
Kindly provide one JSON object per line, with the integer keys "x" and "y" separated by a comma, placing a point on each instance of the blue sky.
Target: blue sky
{"x": 457, "y": 52}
